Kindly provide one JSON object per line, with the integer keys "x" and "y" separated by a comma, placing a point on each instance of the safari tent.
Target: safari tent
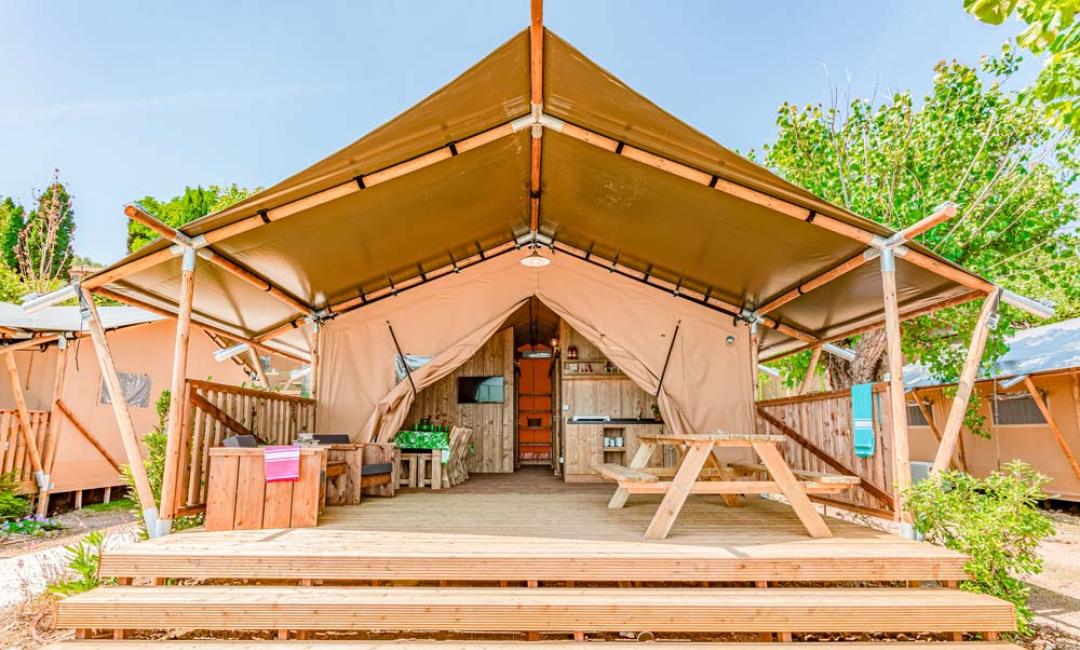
{"x": 538, "y": 181}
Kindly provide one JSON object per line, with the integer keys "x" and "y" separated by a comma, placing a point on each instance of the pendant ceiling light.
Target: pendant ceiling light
{"x": 534, "y": 259}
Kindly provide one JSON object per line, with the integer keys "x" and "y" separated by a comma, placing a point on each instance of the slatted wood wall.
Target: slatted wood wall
{"x": 824, "y": 421}
{"x": 217, "y": 411}
{"x": 13, "y": 456}
{"x": 492, "y": 424}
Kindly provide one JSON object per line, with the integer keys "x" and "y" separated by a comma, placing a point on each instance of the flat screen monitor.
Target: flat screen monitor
{"x": 480, "y": 390}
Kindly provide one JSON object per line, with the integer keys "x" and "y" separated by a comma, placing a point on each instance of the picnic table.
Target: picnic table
{"x": 702, "y": 471}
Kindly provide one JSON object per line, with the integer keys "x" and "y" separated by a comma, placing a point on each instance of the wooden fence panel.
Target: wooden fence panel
{"x": 820, "y": 439}
{"x": 14, "y": 458}
{"x": 217, "y": 411}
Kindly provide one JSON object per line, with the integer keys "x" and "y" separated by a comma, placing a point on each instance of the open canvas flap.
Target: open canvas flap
{"x": 707, "y": 385}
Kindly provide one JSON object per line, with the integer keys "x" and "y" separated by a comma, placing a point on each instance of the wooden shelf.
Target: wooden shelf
{"x": 594, "y": 375}
{"x": 607, "y": 449}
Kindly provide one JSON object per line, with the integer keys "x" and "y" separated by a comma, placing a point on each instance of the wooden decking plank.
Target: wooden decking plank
{"x": 544, "y": 610}
{"x": 103, "y": 644}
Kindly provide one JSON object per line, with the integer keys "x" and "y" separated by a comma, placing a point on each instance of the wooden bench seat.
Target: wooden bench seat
{"x": 414, "y": 644}
{"x": 555, "y": 610}
{"x": 621, "y": 474}
{"x": 816, "y": 477}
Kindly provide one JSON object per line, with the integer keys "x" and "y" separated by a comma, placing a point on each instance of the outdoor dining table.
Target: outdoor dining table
{"x": 699, "y": 451}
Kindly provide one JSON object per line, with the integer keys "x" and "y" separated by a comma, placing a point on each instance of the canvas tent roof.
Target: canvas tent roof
{"x": 68, "y": 319}
{"x": 346, "y": 239}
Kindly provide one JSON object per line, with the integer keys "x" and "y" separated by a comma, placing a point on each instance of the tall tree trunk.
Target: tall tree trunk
{"x": 869, "y": 364}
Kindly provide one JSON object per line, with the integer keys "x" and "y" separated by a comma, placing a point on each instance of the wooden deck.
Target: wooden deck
{"x": 532, "y": 526}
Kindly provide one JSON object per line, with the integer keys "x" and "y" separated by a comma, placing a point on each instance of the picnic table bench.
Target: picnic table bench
{"x": 702, "y": 471}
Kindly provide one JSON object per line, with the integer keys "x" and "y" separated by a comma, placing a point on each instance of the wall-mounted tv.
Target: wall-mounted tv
{"x": 480, "y": 390}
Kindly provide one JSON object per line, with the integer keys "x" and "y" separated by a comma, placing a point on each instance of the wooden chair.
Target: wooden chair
{"x": 379, "y": 471}
{"x": 457, "y": 471}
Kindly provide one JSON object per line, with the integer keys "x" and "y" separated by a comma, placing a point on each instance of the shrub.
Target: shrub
{"x": 995, "y": 521}
{"x": 84, "y": 562}
{"x": 154, "y": 462}
{"x": 12, "y": 505}
{"x": 33, "y": 525}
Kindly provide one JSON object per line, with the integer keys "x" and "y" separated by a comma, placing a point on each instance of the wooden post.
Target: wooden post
{"x": 316, "y": 357}
{"x": 120, "y": 409}
{"x": 1054, "y": 428}
{"x": 754, "y": 371}
{"x": 259, "y": 368}
{"x": 52, "y": 442}
{"x": 176, "y": 390}
{"x": 897, "y": 400}
{"x": 808, "y": 379}
{"x": 24, "y": 424}
{"x": 967, "y": 382}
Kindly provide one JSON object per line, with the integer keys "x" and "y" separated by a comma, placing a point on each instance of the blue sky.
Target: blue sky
{"x": 136, "y": 98}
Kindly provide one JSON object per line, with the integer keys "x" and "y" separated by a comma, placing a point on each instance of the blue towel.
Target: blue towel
{"x": 862, "y": 416}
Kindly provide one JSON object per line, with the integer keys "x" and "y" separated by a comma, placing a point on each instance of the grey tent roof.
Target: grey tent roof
{"x": 1034, "y": 350}
{"x": 67, "y": 319}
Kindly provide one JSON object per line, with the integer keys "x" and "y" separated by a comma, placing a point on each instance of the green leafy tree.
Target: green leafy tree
{"x": 44, "y": 247}
{"x": 970, "y": 142}
{"x": 194, "y": 203}
{"x": 1053, "y": 31}
{"x": 12, "y": 220}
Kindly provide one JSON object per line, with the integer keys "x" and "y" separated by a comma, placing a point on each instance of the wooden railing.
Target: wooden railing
{"x": 216, "y": 411}
{"x": 13, "y": 454}
{"x": 819, "y": 431}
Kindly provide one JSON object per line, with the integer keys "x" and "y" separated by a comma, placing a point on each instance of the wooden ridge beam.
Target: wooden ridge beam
{"x": 218, "y": 259}
{"x": 823, "y": 279}
{"x": 154, "y": 309}
{"x": 29, "y": 343}
{"x": 536, "y": 98}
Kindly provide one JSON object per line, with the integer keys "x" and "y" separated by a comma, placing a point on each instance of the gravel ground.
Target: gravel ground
{"x": 1055, "y": 593}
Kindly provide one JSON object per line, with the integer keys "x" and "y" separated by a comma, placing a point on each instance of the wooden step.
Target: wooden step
{"x": 327, "y": 554}
{"x": 103, "y": 644}
{"x": 483, "y": 609}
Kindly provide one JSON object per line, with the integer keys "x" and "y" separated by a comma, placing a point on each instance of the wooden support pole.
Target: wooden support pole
{"x": 124, "y": 422}
{"x": 316, "y": 358}
{"x": 1052, "y": 423}
{"x": 968, "y": 374}
{"x": 754, "y": 370}
{"x": 259, "y": 370}
{"x": 176, "y": 390}
{"x": 808, "y": 379}
{"x": 897, "y": 400}
{"x": 24, "y": 424}
{"x": 63, "y": 409}
{"x": 52, "y": 442}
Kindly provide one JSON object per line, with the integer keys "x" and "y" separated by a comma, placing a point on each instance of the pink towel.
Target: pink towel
{"x": 282, "y": 463}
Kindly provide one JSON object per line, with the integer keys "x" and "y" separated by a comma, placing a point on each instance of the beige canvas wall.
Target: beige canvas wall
{"x": 139, "y": 349}
{"x": 1032, "y": 443}
{"x": 707, "y": 386}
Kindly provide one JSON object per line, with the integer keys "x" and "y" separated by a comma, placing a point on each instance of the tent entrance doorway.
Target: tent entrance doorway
{"x": 535, "y": 405}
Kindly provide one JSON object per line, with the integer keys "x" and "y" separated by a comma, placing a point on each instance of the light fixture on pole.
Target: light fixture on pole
{"x": 228, "y": 353}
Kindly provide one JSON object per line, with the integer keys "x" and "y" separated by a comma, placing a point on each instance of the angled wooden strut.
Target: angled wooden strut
{"x": 968, "y": 374}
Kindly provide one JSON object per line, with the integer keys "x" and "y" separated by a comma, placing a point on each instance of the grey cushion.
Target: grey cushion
{"x": 332, "y": 438}
{"x": 376, "y": 468}
{"x": 247, "y": 442}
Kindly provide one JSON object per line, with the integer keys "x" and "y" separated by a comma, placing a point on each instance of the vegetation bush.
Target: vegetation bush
{"x": 12, "y": 505}
{"x": 83, "y": 564}
{"x": 154, "y": 462}
{"x": 994, "y": 520}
